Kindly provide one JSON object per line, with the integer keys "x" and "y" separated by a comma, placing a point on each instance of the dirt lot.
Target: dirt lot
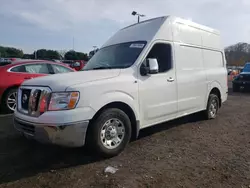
{"x": 188, "y": 152}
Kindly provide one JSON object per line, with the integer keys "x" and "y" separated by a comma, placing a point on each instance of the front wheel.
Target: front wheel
{"x": 10, "y": 101}
{"x": 109, "y": 133}
{"x": 212, "y": 107}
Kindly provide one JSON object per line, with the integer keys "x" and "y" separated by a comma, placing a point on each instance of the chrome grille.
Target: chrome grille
{"x": 33, "y": 101}
{"x": 25, "y": 98}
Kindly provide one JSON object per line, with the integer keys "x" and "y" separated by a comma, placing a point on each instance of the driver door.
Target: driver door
{"x": 158, "y": 92}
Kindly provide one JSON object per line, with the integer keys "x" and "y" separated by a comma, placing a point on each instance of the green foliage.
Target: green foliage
{"x": 28, "y": 56}
{"x": 8, "y": 52}
{"x": 82, "y": 56}
{"x": 47, "y": 54}
{"x": 72, "y": 55}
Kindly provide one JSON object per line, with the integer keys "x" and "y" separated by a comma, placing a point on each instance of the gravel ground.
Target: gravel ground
{"x": 188, "y": 152}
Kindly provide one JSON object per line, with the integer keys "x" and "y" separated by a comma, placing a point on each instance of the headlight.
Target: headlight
{"x": 63, "y": 101}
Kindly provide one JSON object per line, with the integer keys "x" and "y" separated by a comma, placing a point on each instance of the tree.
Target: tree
{"x": 3, "y": 51}
{"x": 238, "y": 54}
{"x": 62, "y": 53}
{"x": 8, "y": 52}
{"x": 28, "y": 56}
{"x": 82, "y": 56}
{"x": 46, "y": 54}
{"x": 72, "y": 55}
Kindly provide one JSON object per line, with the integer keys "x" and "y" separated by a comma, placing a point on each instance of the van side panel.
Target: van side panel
{"x": 190, "y": 73}
{"x": 215, "y": 62}
{"x": 200, "y": 62}
{"x": 186, "y": 34}
{"x": 191, "y": 79}
{"x": 211, "y": 40}
{"x": 216, "y": 71}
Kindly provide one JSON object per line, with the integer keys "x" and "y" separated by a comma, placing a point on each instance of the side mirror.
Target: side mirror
{"x": 153, "y": 66}
{"x": 76, "y": 64}
{"x": 149, "y": 66}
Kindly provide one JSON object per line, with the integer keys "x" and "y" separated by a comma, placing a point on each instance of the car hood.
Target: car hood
{"x": 60, "y": 82}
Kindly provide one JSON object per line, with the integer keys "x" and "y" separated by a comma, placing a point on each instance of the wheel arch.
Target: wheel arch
{"x": 217, "y": 92}
{"x": 4, "y": 107}
{"x": 125, "y": 108}
{"x": 6, "y": 91}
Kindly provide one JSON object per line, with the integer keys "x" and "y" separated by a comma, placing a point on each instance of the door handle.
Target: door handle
{"x": 170, "y": 79}
{"x": 27, "y": 78}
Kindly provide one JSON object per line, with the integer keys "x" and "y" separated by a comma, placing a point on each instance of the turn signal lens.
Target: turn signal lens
{"x": 73, "y": 100}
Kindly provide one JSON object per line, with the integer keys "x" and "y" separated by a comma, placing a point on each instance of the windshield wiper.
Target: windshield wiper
{"x": 104, "y": 67}
{"x": 107, "y": 67}
{"x": 96, "y": 68}
{"x": 101, "y": 67}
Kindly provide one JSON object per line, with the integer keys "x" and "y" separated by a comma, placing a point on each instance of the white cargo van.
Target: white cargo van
{"x": 147, "y": 73}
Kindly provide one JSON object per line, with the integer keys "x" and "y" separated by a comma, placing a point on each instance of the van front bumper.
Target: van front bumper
{"x": 69, "y": 135}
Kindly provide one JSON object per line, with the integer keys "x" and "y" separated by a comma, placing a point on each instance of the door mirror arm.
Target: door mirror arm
{"x": 144, "y": 70}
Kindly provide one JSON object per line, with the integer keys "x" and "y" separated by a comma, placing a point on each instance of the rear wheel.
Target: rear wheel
{"x": 109, "y": 133}
{"x": 212, "y": 107}
{"x": 9, "y": 101}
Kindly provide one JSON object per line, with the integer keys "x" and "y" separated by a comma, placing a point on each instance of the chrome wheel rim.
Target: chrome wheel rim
{"x": 112, "y": 133}
{"x": 213, "y": 108}
{"x": 11, "y": 101}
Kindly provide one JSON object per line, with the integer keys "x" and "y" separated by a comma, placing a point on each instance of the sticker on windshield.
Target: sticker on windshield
{"x": 136, "y": 45}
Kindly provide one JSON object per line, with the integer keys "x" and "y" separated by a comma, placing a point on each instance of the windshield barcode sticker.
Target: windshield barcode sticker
{"x": 136, "y": 45}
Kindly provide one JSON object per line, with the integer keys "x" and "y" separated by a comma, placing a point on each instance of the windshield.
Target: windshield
{"x": 121, "y": 55}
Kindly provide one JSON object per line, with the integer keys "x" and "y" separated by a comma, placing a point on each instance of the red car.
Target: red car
{"x": 13, "y": 74}
{"x": 78, "y": 65}
{"x": 75, "y": 64}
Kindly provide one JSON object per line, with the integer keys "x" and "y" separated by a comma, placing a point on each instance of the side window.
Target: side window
{"x": 37, "y": 68}
{"x": 60, "y": 69}
{"x": 163, "y": 53}
{"x": 18, "y": 69}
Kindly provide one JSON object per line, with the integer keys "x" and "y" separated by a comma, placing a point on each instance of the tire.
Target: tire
{"x": 6, "y": 107}
{"x": 100, "y": 134}
{"x": 212, "y": 100}
{"x": 236, "y": 88}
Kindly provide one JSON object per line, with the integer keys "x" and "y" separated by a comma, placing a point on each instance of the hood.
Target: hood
{"x": 59, "y": 82}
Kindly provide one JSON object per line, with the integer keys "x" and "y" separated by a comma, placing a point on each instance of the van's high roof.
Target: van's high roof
{"x": 169, "y": 28}
{"x": 182, "y": 21}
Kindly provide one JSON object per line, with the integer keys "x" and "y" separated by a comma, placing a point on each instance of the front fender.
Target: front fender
{"x": 116, "y": 96}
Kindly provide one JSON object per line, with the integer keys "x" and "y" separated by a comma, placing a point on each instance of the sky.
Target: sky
{"x": 55, "y": 24}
